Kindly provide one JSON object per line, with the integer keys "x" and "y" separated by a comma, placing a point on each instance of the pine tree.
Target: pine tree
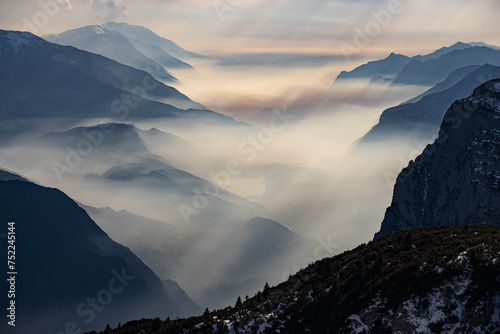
{"x": 265, "y": 293}
{"x": 238, "y": 302}
{"x": 156, "y": 325}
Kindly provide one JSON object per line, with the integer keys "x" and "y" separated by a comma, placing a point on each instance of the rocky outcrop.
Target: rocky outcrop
{"x": 456, "y": 180}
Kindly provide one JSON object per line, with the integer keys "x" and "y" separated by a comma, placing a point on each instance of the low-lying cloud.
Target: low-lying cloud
{"x": 285, "y": 60}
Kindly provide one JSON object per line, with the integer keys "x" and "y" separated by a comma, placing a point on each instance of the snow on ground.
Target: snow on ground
{"x": 496, "y": 87}
{"x": 492, "y": 104}
{"x": 446, "y": 303}
{"x": 495, "y": 318}
{"x": 362, "y": 327}
{"x": 462, "y": 256}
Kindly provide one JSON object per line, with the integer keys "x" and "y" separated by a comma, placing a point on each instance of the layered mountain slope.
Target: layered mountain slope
{"x": 389, "y": 67}
{"x": 233, "y": 259}
{"x": 63, "y": 260}
{"x": 110, "y": 44}
{"x": 440, "y": 280}
{"x": 384, "y": 68}
{"x": 162, "y": 50}
{"x": 40, "y": 80}
{"x": 452, "y": 79}
{"x": 432, "y": 71}
{"x": 421, "y": 119}
{"x": 123, "y": 150}
{"x": 144, "y": 36}
{"x": 447, "y": 49}
{"x": 456, "y": 180}
{"x": 119, "y": 158}
{"x": 424, "y": 70}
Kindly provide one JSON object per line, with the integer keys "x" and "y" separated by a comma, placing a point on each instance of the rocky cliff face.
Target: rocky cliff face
{"x": 456, "y": 180}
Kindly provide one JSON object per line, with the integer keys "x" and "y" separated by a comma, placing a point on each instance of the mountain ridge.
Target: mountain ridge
{"x": 135, "y": 32}
{"x": 421, "y": 69}
{"x": 38, "y": 73}
{"x": 422, "y": 118}
{"x": 432, "y": 71}
{"x": 385, "y": 286}
{"x": 455, "y": 181}
{"x": 110, "y": 44}
{"x": 63, "y": 257}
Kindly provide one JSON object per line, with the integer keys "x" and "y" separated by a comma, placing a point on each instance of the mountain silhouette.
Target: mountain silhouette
{"x": 69, "y": 271}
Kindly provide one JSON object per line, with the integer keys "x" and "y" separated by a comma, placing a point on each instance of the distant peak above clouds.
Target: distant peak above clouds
{"x": 75, "y": 75}
{"x": 484, "y": 44}
{"x": 426, "y": 69}
{"x": 140, "y": 34}
{"x": 113, "y": 45}
{"x": 132, "y": 45}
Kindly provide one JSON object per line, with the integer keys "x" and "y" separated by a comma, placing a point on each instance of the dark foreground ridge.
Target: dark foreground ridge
{"x": 434, "y": 279}
{"x": 69, "y": 275}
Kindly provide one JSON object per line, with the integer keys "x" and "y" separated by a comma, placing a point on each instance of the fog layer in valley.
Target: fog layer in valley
{"x": 289, "y": 167}
{"x": 191, "y": 189}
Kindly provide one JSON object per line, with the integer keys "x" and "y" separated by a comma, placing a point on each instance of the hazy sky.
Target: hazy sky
{"x": 305, "y": 26}
{"x": 269, "y": 53}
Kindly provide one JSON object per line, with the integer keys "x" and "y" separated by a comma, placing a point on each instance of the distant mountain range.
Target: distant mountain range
{"x": 110, "y": 44}
{"x": 456, "y": 180}
{"x": 70, "y": 273}
{"x": 122, "y": 166}
{"x": 121, "y": 171}
{"x": 143, "y": 37}
{"x": 163, "y": 50}
{"x": 245, "y": 254}
{"x": 425, "y": 70}
{"x": 379, "y": 69}
{"x": 42, "y": 81}
{"x": 122, "y": 159}
{"x": 420, "y": 118}
{"x": 432, "y": 71}
{"x": 131, "y": 45}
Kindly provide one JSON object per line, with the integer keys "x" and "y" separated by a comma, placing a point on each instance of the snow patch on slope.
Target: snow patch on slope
{"x": 362, "y": 327}
{"x": 496, "y": 87}
{"x": 444, "y": 307}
